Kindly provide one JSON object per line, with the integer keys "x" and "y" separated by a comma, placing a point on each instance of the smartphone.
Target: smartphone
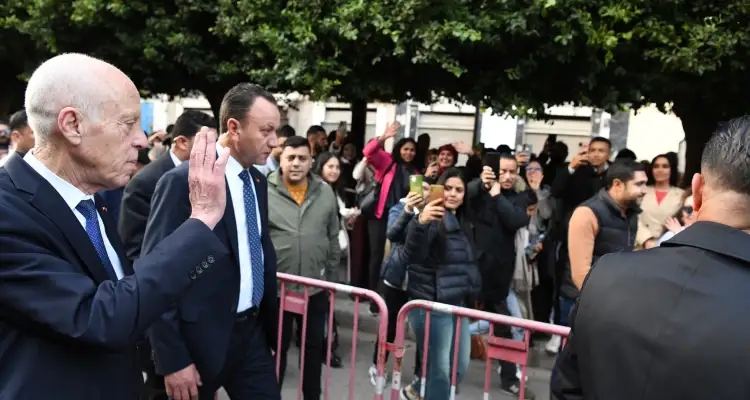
{"x": 436, "y": 192}
{"x": 492, "y": 160}
{"x": 343, "y": 126}
{"x": 415, "y": 184}
{"x": 527, "y": 149}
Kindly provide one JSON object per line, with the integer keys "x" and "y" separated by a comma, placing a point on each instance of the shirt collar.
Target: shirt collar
{"x": 70, "y": 194}
{"x": 233, "y": 166}
{"x": 174, "y": 158}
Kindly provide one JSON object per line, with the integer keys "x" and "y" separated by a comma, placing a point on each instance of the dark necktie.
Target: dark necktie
{"x": 88, "y": 209}
{"x": 253, "y": 236}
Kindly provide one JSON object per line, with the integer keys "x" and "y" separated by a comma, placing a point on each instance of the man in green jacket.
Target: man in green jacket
{"x": 304, "y": 227}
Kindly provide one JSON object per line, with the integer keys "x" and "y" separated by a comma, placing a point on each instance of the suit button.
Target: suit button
{"x": 210, "y": 259}
{"x": 193, "y": 275}
{"x": 199, "y": 270}
{"x": 204, "y": 264}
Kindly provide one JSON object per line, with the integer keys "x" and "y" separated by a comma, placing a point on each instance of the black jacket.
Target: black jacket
{"x": 572, "y": 190}
{"x": 669, "y": 323}
{"x": 136, "y": 204}
{"x": 496, "y": 221}
{"x": 442, "y": 262}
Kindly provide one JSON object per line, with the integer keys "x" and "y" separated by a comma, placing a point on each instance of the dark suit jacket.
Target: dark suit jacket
{"x": 136, "y": 204}
{"x": 197, "y": 331}
{"x": 669, "y": 323}
{"x": 112, "y": 199}
{"x": 66, "y": 331}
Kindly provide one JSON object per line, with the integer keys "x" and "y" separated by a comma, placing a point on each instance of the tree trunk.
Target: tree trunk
{"x": 359, "y": 123}
{"x": 11, "y": 100}
{"x": 698, "y": 126}
{"x": 214, "y": 98}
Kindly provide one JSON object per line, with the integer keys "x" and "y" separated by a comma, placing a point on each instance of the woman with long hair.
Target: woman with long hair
{"x": 662, "y": 200}
{"x": 439, "y": 249}
{"x": 392, "y": 171}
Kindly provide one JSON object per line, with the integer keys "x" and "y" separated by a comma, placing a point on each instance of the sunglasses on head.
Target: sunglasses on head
{"x": 688, "y": 209}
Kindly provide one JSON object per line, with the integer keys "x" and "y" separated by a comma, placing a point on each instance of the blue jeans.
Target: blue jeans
{"x": 515, "y": 311}
{"x": 566, "y": 306}
{"x": 440, "y": 352}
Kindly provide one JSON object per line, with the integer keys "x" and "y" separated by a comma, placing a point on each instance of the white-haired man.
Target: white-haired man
{"x": 71, "y": 306}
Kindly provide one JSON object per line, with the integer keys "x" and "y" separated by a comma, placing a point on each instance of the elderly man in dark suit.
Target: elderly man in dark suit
{"x": 71, "y": 305}
{"x": 671, "y": 323}
{"x": 221, "y": 335}
{"x": 136, "y": 206}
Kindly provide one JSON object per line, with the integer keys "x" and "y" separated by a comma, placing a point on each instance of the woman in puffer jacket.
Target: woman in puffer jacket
{"x": 393, "y": 271}
{"x": 440, "y": 253}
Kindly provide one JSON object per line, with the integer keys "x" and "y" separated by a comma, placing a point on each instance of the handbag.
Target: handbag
{"x": 367, "y": 199}
{"x": 478, "y": 347}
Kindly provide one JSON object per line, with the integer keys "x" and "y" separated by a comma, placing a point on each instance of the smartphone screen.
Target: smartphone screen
{"x": 492, "y": 160}
{"x": 415, "y": 184}
{"x": 527, "y": 149}
{"x": 436, "y": 192}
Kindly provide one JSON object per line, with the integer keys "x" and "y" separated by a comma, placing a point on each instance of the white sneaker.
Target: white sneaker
{"x": 553, "y": 345}
{"x": 373, "y": 373}
{"x": 519, "y": 372}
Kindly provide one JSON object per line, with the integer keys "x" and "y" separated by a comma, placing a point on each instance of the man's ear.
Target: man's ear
{"x": 697, "y": 185}
{"x": 69, "y": 123}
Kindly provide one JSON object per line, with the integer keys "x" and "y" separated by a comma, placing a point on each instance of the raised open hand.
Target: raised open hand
{"x": 208, "y": 192}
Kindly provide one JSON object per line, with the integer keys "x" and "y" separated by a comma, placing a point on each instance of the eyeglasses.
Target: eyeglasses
{"x": 688, "y": 209}
{"x": 533, "y": 169}
{"x": 4, "y": 132}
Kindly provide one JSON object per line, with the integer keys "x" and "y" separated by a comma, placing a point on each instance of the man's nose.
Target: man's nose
{"x": 273, "y": 141}
{"x": 141, "y": 141}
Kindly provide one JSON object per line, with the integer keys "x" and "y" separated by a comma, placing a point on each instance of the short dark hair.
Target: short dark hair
{"x": 296, "y": 142}
{"x": 531, "y": 198}
{"x": 315, "y": 129}
{"x": 169, "y": 129}
{"x": 286, "y": 131}
{"x": 626, "y": 153}
{"x": 18, "y": 120}
{"x": 623, "y": 170}
{"x": 238, "y": 101}
{"x": 190, "y": 122}
{"x": 726, "y": 156}
{"x": 601, "y": 140}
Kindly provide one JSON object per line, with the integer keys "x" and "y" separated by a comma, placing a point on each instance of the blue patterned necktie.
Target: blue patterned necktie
{"x": 253, "y": 236}
{"x": 88, "y": 209}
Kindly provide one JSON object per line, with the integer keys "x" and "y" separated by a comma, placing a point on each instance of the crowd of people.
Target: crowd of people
{"x": 120, "y": 256}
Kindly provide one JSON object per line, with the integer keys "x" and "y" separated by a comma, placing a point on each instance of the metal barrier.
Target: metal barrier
{"x": 296, "y": 303}
{"x": 498, "y": 348}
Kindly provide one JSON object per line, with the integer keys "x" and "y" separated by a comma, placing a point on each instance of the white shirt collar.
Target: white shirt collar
{"x": 174, "y": 158}
{"x": 70, "y": 194}
{"x": 233, "y": 166}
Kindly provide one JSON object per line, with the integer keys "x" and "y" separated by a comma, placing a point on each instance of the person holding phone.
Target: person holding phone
{"x": 439, "y": 249}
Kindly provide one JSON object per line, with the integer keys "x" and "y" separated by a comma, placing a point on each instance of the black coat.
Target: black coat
{"x": 670, "y": 323}
{"x": 442, "y": 262}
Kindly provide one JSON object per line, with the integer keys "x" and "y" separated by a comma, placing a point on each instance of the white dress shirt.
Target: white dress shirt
{"x": 232, "y": 173}
{"x": 174, "y": 158}
{"x": 72, "y": 196}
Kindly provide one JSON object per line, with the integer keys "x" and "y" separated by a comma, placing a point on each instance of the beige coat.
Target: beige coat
{"x": 651, "y": 220}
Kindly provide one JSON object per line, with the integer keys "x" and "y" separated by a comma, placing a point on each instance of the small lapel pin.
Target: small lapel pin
{"x": 257, "y": 180}
{"x": 104, "y": 209}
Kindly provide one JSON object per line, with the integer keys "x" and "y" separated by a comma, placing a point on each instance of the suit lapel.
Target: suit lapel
{"x": 230, "y": 225}
{"x": 112, "y": 235}
{"x": 46, "y": 199}
{"x": 261, "y": 192}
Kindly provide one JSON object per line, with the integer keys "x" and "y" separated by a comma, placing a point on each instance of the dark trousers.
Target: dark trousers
{"x": 249, "y": 369}
{"x": 394, "y": 300}
{"x": 317, "y": 308}
{"x": 508, "y": 369}
{"x": 376, "y": 229}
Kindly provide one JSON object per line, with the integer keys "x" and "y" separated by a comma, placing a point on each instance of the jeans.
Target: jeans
{"x": 441, "y": 350}
{"x": 482, "y": 327}
{"x": 515, "y": 311}
{"x": 566, "y": 306}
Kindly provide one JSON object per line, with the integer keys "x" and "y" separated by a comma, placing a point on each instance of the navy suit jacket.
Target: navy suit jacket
{"x": 197, "y": 331}
{"x": 66, "y": 331}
